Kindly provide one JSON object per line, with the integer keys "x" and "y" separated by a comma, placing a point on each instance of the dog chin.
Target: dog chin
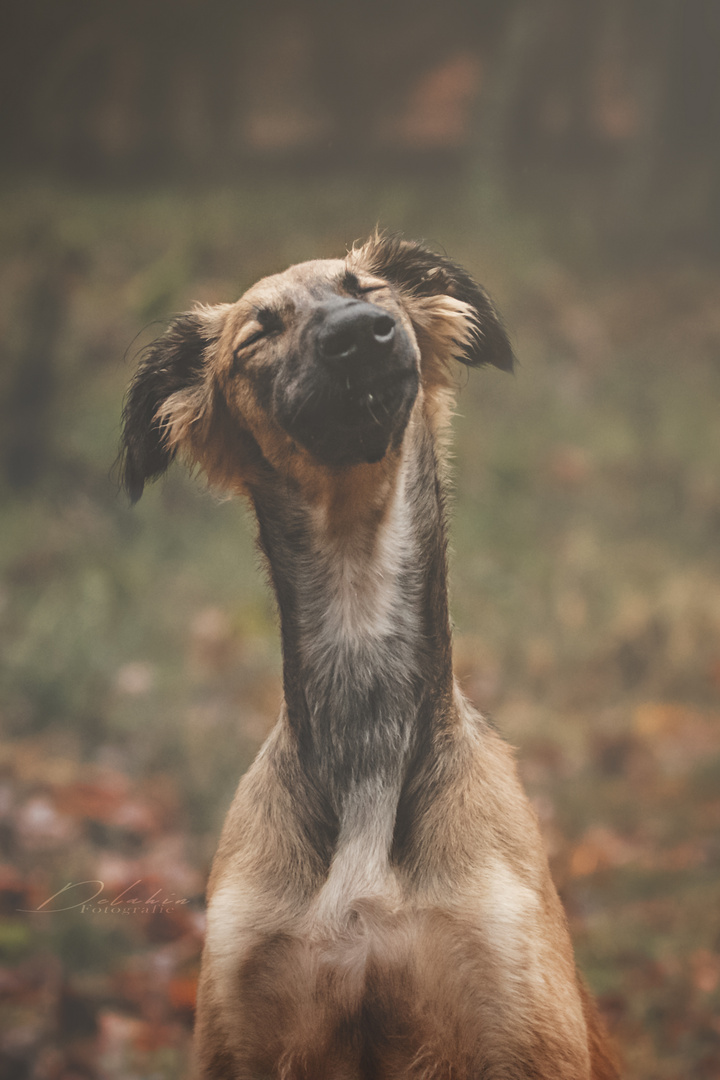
{"x": 345, "y": 448}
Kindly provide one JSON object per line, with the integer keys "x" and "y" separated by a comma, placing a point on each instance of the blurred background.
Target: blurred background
{"x": 163, "y": 152}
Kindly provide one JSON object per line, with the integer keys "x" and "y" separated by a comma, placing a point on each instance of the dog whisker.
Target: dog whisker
{"x": 369, "y": 400}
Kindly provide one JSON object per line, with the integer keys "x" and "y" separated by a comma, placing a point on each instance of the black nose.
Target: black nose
{"x": 355, "y": 330}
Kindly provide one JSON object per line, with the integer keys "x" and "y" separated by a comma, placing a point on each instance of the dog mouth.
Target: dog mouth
{"x": 354, "y": 420}
{"x": 371, "y": 398}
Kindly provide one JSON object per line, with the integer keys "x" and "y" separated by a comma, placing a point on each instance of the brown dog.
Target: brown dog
{"x": 380, "y": 905}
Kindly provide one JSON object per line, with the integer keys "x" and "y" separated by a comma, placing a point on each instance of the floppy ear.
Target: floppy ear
{"x": 171, "y": 365}
{"x": 421, "y": 273}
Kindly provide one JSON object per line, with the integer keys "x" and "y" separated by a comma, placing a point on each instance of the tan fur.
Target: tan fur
{"x": 429, "y": 943}
{"x": 471, "y": 927}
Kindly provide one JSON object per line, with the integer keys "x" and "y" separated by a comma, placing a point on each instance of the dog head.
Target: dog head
{"x": 316, "y": 368}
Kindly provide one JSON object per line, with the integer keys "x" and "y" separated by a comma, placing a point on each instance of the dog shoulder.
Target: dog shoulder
{"x": 279, "y": 831}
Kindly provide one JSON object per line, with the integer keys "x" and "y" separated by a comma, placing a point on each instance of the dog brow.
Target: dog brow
{"x": 269, "y": 318}
{"x": 349, "y": 282}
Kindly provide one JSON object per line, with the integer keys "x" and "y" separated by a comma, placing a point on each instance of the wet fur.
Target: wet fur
{"x": 380, "y": 904}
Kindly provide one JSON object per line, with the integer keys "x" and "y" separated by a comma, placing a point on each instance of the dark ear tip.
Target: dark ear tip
{"x": 132, "y": 477}
{"x": 492, "y": 345}
{"x": 134, "y": 490}
{"x": 506, "y": 359}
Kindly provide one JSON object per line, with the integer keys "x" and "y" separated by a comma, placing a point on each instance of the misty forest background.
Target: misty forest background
{"x": 172, "y": 151}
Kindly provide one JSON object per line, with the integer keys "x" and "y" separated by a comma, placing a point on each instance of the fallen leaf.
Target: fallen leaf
{"x": 600, "y": 849}
{"x": 705, "y": 969}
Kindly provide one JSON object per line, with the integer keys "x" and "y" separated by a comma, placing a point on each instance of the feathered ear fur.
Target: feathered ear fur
{"x": 421, "y": 273}
{"x": 172, "y": 364}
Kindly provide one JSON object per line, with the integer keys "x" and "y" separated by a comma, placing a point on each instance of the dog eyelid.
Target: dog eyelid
{"x": 351, "y": 284}
{"x": 268, "y": 322}
{"x": 251, "y": 339}
{"x": 364, "y": 289}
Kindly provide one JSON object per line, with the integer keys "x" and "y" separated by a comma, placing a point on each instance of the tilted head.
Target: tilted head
{"x": 315, "y": 369}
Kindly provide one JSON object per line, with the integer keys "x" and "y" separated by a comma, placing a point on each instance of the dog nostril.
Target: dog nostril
{"x": 384, "y": 329}
{"x": 339, "y": 345}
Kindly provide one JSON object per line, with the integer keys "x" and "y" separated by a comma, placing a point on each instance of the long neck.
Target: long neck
{"x": 365, "y": 628}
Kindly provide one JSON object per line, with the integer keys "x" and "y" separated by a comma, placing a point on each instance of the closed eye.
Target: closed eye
{"x": 269, "y": 322}
{"x": 363, "y": 290}
{"x": 251, "y": 339}
{"x": 351, "y": 285}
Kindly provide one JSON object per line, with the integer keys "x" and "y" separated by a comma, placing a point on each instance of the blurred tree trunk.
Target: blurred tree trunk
{"x": 29, "y": 375}
{"x": 638, "y": 172}
{"x": 496, "y": 113}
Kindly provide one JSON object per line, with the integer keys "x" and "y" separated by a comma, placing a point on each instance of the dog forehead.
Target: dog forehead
{"x": 304, "y": 281}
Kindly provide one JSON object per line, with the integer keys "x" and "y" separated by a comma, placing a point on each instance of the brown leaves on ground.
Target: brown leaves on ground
{"x": 101, "y": 920}
{"x": 630, "y": 816}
